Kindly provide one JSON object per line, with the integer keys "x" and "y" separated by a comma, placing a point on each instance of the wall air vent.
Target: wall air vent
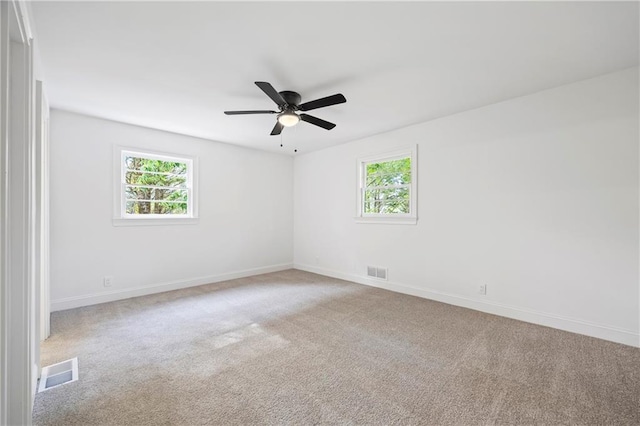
{"x": 375, "y": 272}
{"x": 58, "y": 374}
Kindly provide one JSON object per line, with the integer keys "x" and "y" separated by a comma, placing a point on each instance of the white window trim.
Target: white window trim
{"x": 399, "y": 219}
{"x": 120, "y": 218}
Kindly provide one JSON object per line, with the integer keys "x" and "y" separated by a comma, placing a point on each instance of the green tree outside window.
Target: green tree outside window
{"x": 387, "y": 186}
{"x": 155, "y": 186}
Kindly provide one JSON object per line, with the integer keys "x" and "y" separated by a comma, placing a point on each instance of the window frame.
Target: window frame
{"x": 122, "y": 218}
{"x": 410, "y": 218}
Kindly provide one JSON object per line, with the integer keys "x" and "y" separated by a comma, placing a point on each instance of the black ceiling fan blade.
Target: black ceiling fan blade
{"x": 323, "y": 102}
{"x": 271, "y": 92}
{"x": 259, "y": 111}
{"x": 277, "y": 129}
{"x": 317, "y": 121}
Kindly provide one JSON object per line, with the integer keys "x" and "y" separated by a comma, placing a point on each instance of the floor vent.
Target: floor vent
{"x": 375, "y": 272}
{"x": 58, "y": 374}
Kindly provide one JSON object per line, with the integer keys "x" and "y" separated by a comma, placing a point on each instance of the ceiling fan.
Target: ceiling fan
{"x": 288, "y": 103}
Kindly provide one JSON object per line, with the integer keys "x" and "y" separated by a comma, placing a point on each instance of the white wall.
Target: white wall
{"x": 537, "y": 197}
{"x": 244, "y": 227}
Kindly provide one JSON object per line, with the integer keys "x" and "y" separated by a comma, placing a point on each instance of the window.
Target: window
{"x": 156, "y": 187}
{"x": 387, "y": 188}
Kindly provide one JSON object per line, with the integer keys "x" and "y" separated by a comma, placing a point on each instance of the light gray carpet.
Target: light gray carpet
{"x": 298, "y": 348}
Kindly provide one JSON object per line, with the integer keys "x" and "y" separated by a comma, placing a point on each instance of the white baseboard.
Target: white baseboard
{"x": 110, "y": 296}
{"x": 613, "y": 334}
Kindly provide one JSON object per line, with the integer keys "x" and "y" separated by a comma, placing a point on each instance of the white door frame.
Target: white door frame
{"x": 18, "y": 331}
{"x": 43, "y": 304}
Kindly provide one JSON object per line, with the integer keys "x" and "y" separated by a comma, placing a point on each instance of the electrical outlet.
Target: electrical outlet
{"x": 108, "y": 281}
{"x": 482, "y": 289}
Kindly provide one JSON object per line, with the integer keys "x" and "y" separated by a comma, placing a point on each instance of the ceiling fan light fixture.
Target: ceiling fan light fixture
{"x": 288, "y": 119}
{"x": 288, "y": 103}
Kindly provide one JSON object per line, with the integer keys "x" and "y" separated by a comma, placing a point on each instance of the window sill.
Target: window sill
{"x": 387, "y": 220}
{"x": 154, "y": 221}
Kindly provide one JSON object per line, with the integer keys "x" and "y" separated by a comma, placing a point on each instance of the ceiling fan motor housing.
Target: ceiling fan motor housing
{"x": 291, "y": 98}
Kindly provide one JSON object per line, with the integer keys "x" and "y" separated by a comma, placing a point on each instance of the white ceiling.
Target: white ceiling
{"x": 177, "y": 66}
